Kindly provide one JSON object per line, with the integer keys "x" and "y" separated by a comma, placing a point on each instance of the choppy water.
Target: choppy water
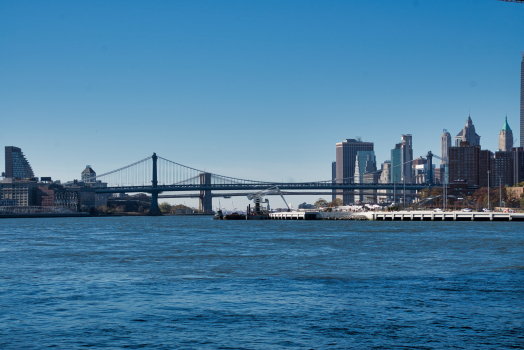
{"x": 194, "y": 283}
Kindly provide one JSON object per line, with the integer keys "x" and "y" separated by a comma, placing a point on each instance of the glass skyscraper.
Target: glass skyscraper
{"x": 16, "y": 166}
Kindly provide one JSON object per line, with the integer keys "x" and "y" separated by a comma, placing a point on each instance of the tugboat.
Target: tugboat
{"x": 218, "y": 215}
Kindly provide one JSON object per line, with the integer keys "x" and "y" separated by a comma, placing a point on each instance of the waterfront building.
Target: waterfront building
{"x": 346, "y": 152}
{"x": 88, "y": 175}
{"x": 21, "y": 191}
{"x": 67, "y": 199}
{"x": 468, "y": 134}
{"x": 505, "y": 137}
{"x": 8, "y": 203}
{"x": 16, "y": 165}
{"x": 45, "y": 196}
{"x": 55, "y": 195}
{"x": 445, "y": 144}
{"x": 87, "y": 198}
{"x": 89, "y": 180}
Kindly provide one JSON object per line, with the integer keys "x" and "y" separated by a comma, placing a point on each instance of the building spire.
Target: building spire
{"x": 506, "y": 127}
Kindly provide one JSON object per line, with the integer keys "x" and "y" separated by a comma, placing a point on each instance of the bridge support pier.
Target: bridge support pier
{"x": 205, "y": 204}
{"x": 155, "y": 210}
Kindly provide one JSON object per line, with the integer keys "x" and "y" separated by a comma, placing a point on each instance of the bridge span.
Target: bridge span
{"x": 156, "y": 175}
{"x": 285, "y": 193}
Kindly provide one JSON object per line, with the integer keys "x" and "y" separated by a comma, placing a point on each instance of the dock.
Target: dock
{"x": 399, "y": 216}
{"x": 444, "y": 216}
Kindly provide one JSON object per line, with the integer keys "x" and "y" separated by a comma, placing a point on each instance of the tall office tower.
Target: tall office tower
{"x": 88, "y": 175}
{"x": 16, "y": 166}
{"x": 385, "y": 178}
{"x": 334, "y": 178}
{"x": 470, "y": 164}
{"x": 421, "y": 170}
{"x": 468, "y": 134}
{"x": 502, "y": 169}
{"x": 505, "y": 138}
{"x": 407, "y": 158}
{"x": 485, "y": 165}
{"x": 371, "y": 176}
{"x": 445, "y": 144}
{"x": 518, "y": 164}
{"x": 464, "y": 164}
{"x": 365, "y": 163}
{"x": 522, "y": 101}
{"x": 345, "y": 163}
{"x": 396, "y": 164}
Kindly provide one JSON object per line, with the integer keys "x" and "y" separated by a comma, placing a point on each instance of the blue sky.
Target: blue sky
{"x": 260, "y": 90}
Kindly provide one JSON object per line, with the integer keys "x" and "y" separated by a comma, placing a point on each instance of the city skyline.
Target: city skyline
{"x": 107, "y": 84}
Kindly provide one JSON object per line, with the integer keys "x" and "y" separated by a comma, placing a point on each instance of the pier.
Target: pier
{"x": 399, "y": 216}
{"x": 444, "y": 216}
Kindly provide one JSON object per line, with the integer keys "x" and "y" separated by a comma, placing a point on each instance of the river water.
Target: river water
{"x": 195, "y": 283}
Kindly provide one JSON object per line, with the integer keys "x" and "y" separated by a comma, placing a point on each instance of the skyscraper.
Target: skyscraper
{"x": 334, "y": 178}
{"x": 365, "y": 163}
{"x": 522, "y": 101}
{"x": 445, "y": 144}
{"x": 505, "y": 137}
{"x": 345, "y": 162}
{"x": 16, "y": 166}
{"x": 407, "y": 158}
{"x": 396, "y": 164}
{"x": 385, "y": 177}
{"x": 468, "y": 134}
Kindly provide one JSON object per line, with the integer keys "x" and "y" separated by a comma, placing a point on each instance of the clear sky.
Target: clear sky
{"x": 251, "y": 89}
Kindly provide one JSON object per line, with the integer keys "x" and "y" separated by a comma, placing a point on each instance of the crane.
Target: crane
{"x": 257, "y": 198}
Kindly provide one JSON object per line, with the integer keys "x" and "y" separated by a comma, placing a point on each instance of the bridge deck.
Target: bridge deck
{"x": 259, "y": 187}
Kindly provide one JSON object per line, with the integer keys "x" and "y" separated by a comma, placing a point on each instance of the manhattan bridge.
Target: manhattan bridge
{"x": 157, "y": 175}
